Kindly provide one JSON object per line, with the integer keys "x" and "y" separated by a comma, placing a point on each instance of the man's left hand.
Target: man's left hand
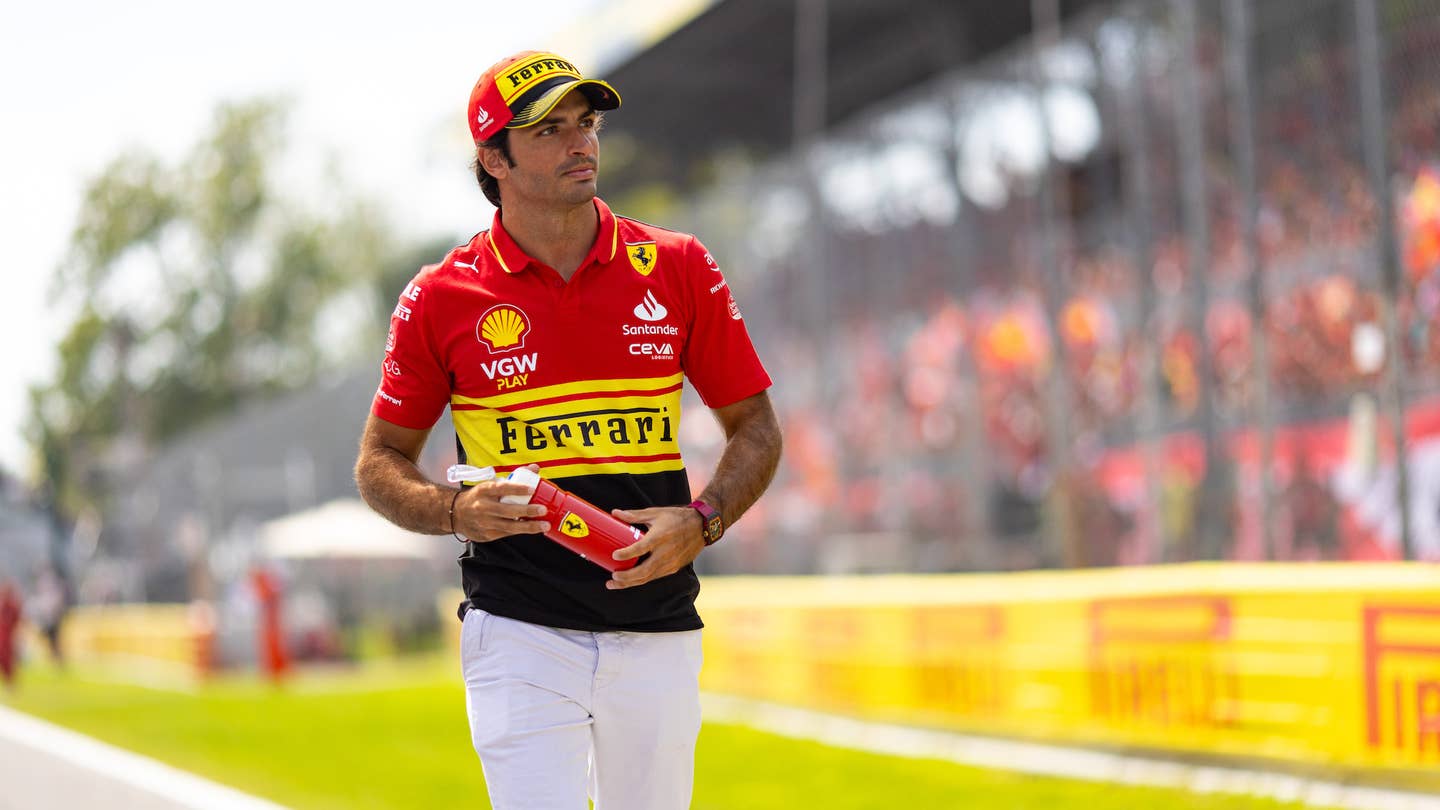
{"x": 673, "y": 542}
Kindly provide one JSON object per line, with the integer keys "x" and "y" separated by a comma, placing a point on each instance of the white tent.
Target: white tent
{"x": 341, "y": 529}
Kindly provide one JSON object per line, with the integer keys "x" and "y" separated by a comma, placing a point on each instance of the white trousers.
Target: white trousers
{"x": 561, "y": 715}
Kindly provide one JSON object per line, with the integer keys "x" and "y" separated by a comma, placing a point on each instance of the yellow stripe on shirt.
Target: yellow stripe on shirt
{"x": 611, "y": 434}
{"x": 568, "y": 389}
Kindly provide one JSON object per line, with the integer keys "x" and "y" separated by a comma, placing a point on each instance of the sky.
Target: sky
{"x": 379, "y": 89}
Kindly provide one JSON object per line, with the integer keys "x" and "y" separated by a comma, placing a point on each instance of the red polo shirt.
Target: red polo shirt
{"x": 582, "y": 378}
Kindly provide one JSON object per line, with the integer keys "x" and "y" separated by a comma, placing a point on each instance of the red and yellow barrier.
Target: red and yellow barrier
{"x": 1334, "y": 666}
{"x": 169, "y": 638}
{"x": 1330, "y": 665}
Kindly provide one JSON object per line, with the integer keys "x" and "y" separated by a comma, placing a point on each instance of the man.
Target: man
{"x": 51, "y": 603}
{"x": 10, "y": 615}
{"x": 560, "y": 338}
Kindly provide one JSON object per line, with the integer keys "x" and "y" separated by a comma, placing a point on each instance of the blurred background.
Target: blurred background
{"x": 1050, "y": 285}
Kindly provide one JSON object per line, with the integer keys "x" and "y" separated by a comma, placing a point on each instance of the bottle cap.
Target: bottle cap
{"x": 525, "y": 477}
{"x": 470, "y": 475}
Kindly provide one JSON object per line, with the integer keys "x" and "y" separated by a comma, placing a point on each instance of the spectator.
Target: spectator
{"x": 10, "y": 613}
{"x": 51, "y": 602}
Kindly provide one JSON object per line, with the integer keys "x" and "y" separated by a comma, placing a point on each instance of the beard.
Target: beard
{"x": 557, "y": 190}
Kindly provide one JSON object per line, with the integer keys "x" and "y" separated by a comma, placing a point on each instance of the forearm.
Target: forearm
{"x": 393, "y": 486}
{"x": 752, "y": 451}
{"x": 746, "y": 466}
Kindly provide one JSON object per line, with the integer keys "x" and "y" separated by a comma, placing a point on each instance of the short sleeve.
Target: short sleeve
{"x": 719, "y": 358}
{"x": 414, "y": 385}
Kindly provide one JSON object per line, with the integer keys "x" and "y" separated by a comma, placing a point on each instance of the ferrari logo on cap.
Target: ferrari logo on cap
{"x": 642, "y": 256}
{"x": 524, "y": 75}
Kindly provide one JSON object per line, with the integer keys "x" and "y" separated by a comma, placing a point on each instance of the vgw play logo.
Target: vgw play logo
{"x": 502, "y": 330}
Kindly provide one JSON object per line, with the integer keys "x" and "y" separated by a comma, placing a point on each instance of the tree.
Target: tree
{"x": 195, "y": 288}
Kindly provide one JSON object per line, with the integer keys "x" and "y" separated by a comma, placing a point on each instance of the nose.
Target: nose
{"x": 582, "y": 142}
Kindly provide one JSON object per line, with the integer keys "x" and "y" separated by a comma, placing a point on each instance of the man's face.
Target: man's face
{"x": 556, "y": 159}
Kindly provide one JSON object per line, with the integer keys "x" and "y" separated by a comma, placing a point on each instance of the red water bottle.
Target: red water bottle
{"x": 582, "y": 527}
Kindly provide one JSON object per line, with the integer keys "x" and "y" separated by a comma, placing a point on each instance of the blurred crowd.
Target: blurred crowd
{"x": 933, "y": 399}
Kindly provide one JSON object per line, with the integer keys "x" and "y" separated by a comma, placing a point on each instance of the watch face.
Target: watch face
{"x": 712, "y": 526}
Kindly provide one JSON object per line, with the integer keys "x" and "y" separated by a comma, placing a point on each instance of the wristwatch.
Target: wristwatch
{"x": 712, "y": 526}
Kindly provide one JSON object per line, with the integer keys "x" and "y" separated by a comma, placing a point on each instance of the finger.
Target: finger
{"x": 524, "y": 527}
{"x": 516, "y": 526}
{"x": 635, "y": 549}
{"x": 646, "y": 516}
{"x": 485, "y": 519}
{"x": 483, "y": 504}
{"x": 639, "y": 575}
{"x": 494, "y": 529}
{"x": 514, "y": 511}
{"x": 500, "y": 489}
{"x": 657, "y": 565}
{"x": 642, "y": 572}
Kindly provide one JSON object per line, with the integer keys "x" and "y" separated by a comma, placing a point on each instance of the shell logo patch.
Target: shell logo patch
{"x": 503, "y": 328}
{"x": 642, "y": 256}
{"x": 572, "y": 525}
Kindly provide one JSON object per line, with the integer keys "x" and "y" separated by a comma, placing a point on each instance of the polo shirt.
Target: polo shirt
{"x": 583, "y": 378}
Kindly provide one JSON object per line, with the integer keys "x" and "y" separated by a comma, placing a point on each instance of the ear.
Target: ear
{"x": 494, "y": 162}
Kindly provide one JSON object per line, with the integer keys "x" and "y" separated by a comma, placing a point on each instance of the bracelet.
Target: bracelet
{"x": 453, "y": 499}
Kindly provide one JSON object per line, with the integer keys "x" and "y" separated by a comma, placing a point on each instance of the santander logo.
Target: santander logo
{"x": 651, "y": 309}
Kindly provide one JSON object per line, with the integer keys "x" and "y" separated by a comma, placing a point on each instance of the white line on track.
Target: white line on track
{"x": 87, "y": 753}
{"x": 1052, "y": 760}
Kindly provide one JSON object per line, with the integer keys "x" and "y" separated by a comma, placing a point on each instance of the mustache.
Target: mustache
{"x": 580, "y": 163}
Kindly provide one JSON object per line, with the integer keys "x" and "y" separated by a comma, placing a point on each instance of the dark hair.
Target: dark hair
{"x": 488, "y": 184}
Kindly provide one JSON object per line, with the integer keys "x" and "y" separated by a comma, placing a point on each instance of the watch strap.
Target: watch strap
{"x": 712, "y": 526}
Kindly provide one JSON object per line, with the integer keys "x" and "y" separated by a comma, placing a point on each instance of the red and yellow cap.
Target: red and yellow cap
{"x": 523, "y": 88}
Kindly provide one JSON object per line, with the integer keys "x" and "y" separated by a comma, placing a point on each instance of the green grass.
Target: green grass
{"x": 394, "y": 736}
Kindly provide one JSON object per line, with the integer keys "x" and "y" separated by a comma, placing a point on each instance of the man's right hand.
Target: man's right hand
{"x": 389, "y": 480}
{"x": 480, "y": 516}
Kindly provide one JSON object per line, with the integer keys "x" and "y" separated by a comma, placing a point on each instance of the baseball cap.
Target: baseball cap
{"x": 523, "y": 88}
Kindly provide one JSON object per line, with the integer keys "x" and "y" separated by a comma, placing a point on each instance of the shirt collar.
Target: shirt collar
{"x": 513, "y": 259}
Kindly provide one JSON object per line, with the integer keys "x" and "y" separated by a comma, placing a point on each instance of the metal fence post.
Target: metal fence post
{"x": 811, "y": 84}
{"x": 975, "y": 467}
{"x": 1058, "y": 398}
{"x": 1370, "y": 55}
{"x": 1212, "y": 516}
{"x": 1240, "y": 77}
{"x": 1135, "y": 139}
